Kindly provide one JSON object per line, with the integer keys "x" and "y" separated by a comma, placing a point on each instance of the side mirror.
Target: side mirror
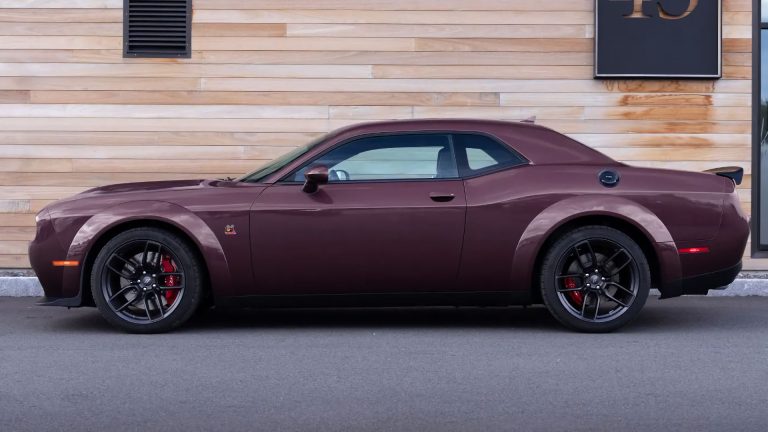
{"x": 314, "y": 177}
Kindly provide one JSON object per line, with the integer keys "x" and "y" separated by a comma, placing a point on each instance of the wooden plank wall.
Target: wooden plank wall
{"x": 267, "y": 75}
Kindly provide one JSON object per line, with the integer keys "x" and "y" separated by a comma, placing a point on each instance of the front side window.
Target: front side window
{"x": 388, "y": 157}
{"x": 478, "y": 154}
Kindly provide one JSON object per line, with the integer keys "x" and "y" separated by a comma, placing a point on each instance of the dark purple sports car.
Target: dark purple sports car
{"x": 423, "y": 212}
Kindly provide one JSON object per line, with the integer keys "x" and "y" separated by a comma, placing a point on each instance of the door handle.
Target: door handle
{"x": 441, "y": 197}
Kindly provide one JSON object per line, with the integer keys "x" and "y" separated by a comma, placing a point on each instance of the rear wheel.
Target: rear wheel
{"x": 595, "y": 279}
{"x": 146, "y": 280}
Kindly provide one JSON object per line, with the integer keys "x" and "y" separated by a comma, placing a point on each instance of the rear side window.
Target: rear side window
{"x": 478, "y": 153}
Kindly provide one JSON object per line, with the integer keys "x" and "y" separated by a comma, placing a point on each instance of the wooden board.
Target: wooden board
{"x": 265, "y": 76}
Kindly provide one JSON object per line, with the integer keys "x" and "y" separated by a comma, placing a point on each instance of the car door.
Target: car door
{"x": 390, "y": 220}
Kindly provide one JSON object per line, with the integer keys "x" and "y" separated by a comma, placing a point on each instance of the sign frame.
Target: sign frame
{"x": 718, "y": 75}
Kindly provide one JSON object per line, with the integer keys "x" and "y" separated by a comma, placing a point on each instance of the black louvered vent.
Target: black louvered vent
{"x": 157, "y": 28}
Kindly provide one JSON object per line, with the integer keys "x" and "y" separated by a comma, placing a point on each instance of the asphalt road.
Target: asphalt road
{"x": 690, "y": 364}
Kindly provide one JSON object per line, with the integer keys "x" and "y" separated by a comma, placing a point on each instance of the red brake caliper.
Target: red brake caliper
{"x": 576, "y": 296}
{"x": 170, "y": 280}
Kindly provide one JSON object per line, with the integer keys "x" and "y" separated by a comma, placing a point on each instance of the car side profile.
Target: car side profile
{"x": 401, "y": 213}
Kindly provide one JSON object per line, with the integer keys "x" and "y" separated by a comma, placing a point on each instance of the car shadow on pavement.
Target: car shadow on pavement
{"x": 658, "y": 317}
{"x": 417, "y": 317}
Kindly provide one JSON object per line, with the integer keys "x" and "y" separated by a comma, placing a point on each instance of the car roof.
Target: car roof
{"x": 452, "y": 124}
{"x": 536, "y": 143}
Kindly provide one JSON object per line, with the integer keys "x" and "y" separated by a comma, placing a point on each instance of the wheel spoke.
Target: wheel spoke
{"x": 618, "y": 269}
{"x": 572, "y": 276}
{"x": 597, "y": 306}
{"x": 169, "y": 274}
{"x": 146, "y": 308}
{"x": 592, "y": 257}
{"x": 612, "y": 257}
{"x": 578, "y": 258}
{"x": 120, "y": 272}
{"x": 128, "y": 303}
{"x": 156, "y": 254}
{"x": 123, "y": 290}
{"x": 159, "y": 305}
{"x": 165, "y": 288}
{"x": 621, "y": 287}
{"x": 584, "y": 305}
{"x": 614, "y": 299}
{"x": 126, "y": 261}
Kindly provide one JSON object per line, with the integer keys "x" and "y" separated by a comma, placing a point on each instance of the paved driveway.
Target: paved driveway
{"x": 698, "y": 364}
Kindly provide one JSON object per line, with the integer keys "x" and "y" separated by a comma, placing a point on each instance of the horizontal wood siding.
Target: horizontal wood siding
{"x": 268, "y": 75}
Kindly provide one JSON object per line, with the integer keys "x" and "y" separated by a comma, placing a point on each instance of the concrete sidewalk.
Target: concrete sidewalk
{"x": 22, "y": 283}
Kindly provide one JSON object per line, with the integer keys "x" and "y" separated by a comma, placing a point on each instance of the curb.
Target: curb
{"x": 24, "y": 286}
{"x": 20, "y": 286}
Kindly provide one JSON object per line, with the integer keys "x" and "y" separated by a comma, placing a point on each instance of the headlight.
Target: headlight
{"x": 42, "y": 214}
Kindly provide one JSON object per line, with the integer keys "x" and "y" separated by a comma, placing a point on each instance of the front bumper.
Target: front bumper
{"x": 61, "y": 285}
{"x": 701, "y": 284}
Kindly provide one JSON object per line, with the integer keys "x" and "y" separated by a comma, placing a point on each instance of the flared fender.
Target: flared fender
{"x": 562, "y": 212}
{"x": 181, "y": 218}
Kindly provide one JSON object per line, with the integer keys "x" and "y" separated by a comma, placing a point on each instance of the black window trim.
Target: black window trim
{"x": 284, "y": 180}
{"x": 187, "y": 53}
{"x": 464, "y": 163}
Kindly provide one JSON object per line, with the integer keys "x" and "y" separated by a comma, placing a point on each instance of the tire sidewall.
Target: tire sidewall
{"x": 182, "y": 251}
{"x": 549, "y": 268}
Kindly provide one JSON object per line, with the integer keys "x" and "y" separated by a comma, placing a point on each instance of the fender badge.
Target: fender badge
{"x": 230, "y": 230}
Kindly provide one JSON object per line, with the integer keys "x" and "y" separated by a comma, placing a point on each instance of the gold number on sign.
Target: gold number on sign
{"x": 637, "y": 9}
{"x": 692, "y": 4}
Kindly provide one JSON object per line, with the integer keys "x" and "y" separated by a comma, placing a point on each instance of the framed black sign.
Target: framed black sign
{"x": 658, "y": 38}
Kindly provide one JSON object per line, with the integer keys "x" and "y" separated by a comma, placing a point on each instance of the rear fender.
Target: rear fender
{"x": 172, "y": 214}
{"x": 550, "y": 219}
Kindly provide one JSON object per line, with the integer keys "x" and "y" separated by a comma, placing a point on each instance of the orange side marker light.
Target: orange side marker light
{"x": 65, "y": 263}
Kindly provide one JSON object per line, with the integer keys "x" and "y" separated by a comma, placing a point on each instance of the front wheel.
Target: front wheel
{"x": 595, "y": 279}
{"x": 146, "y": 280}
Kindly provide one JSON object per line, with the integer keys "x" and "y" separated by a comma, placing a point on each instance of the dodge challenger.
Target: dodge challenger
{"x": 403, "y": 213}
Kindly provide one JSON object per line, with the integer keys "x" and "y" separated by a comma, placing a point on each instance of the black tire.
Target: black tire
{"x": 139, "y": 278}
{"x": 591, "y": 270}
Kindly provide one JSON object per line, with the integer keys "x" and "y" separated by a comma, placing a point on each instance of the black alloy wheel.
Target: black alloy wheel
{"x": 595, "y": 279}
{"x": 146, "y": 280}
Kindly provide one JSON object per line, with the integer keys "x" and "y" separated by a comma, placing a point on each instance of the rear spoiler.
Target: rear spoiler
{"x": 734, "y": 173}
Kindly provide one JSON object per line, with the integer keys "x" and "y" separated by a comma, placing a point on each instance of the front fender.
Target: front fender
{"x": 570, "y": 209}
{"x": 175, "y": 215}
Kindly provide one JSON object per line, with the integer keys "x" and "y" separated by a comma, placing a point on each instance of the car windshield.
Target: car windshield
{"x": 275, "y": 165}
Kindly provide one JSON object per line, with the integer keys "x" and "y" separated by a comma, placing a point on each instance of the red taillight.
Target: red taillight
{"x": 693, "y": 250}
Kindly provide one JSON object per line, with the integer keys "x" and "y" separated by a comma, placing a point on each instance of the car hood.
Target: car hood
{"x": 152, "y": 186}
{"x": 116, "y": 193}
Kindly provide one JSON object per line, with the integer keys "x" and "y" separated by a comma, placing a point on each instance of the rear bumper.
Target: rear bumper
{"x": 701, "y": 284}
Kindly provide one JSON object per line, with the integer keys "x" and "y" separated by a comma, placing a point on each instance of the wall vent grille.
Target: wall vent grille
{"x": 157, "y": 28}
